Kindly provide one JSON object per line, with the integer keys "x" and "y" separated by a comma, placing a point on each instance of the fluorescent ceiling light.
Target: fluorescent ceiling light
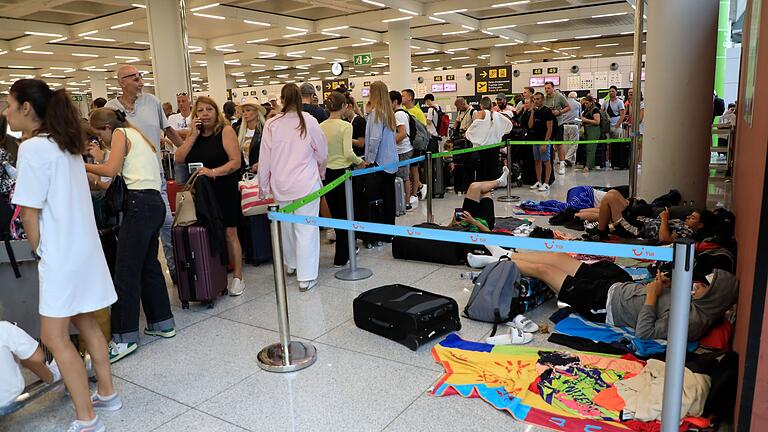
{"x": 410, "y": 12}
{"x": 195, "y": 48}
{"x": 61, "y": 39}
{"x": 340, "y": 60}
{"x": 258, "y": 70}
{"x": 544, "y": 40}
{"x": 470, "y": 28}
{"x": 431, "y": 60}
{"x": 449, "y": 12}
{"x": 460, "y": 58}
{"x": 514, "y": 3}
{"x": 302, "y": 73}
{"x": 588, "y": 37}
{"x": 627, "y": 33}
{"x": 554, "y": 21}
{"x": 20, "y": 67}
{"x": 257, "y": 40}
{"x": 330, "y": 34}
{"x": 371, "y": 2}
{"x": 523, "y": 61}
{"x": 318, "y": 58}
{"x": 22, "y": 48}
{"x": 129, "y": 23}
{"x": 265, "y": 76}
{"x": 224, "y": 46}
{"x": 452, "y": 50}
{"x": 280, "y": 68}
{"x": 533, "y": 51}
{"x": 298, "y": 29}
{"x": 592, "y": 55}
{"x": 569, "y": 48}
{"x": 84, "y": 55}
{"x": 469, "y": 65}
{"x": 327, "y": 48}
{"x": 295, "y": 53}
{"x": 218, "y": 17}
{"x": 368, "y": 39}
{"x": 561, "y": 58}
{"x": 437, "y": 19}
{"x": 229, "y": 50}
{"x": 625, "y": 53}
{"x": 258, "y": 23}
{"x": 258, "y": 65}
{"x": 397, "y": 19}
{"x": 32, "y": 33}
{"x": 505, "y": 44}
{"x": 609, "y": 15}
{"x": 336, "y": 28}
{"x": 199, "y": 8}
{"x": 22, "y": 76}
{"x": 455, "y": 32}
{"x": 487, "y": 32}
{"x": 126, "y": 57}
{"x": 109, "y": 64}
{"x": 88, "y": 33}
{"x": 293, "y": 35}
{"x": 606, "y": 45}
{"x": 502, "y": 27}
{"x": 141, "y": 43}
{"x": 362, "y": 44}
{"x": 100, "y": 39}
{"x": 61, "y": 68}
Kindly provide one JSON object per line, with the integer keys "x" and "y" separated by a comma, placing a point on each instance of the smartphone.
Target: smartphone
{"x": 194, "y": 166}
{"x": 458, "y": 213}
{"x": 199, "y": 127}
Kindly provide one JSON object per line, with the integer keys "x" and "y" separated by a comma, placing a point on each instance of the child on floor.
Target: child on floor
{"x": 17, "y": 346}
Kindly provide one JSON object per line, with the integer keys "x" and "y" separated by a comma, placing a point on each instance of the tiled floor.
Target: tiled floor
{"x": 206, "y": 378}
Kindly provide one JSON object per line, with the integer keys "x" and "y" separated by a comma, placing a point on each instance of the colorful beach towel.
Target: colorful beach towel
{"x": 503, "y": 377}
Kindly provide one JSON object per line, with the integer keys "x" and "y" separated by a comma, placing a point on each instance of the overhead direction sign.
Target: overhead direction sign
{"x": 330, "y": 85}
{"x": 494, "y": 79}
{"x": 365, "y": 59}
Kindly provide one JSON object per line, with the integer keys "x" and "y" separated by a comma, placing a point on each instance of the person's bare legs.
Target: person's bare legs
{"x": 560, "y": 261}
{"x": 590, "y": 214}
{"x": 407, "y": 189}
{"x": 611, "y": 208}
{"x": 480, "y": 190}
{"x": 55, "y": 335}
{"x": 547, "y": 171}
{"x": 537, "y": 167}
{"x": 36, "y": 363}
{"x": 551, "y": 276}
{"x": 324, "y": 210}
{"x": 235, "y": 252}
{"x": 97, "y": 348}
{"x": 561, "y": 152}
{"x": 415, "y": 181}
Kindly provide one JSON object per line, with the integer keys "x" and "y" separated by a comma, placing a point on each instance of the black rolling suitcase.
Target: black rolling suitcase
{"x": 620, "y": 153}
{"x": 261, "y": 239}
{"x": 438, "y": 179}
{"x": 433, "y": 251}
{"x": 406, "y": 315}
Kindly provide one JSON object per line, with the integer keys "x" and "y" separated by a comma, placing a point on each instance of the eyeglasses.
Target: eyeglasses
{"x": 181, "y": 94}
{"x": 136, "y": 76}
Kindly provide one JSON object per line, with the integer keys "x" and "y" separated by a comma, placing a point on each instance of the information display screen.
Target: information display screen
{"x": 366, "y": 92}
{"x": 537, "y": 81}
{"x": 555, "y": 79}
{"x": 449, "y": 87}
{"x": 438, "y": 88}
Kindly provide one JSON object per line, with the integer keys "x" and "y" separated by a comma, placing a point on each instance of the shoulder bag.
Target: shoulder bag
{"x": 185, "y": 203}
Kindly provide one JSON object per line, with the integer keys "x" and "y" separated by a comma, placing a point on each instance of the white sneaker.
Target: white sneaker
{"x": 117, "y": 351}
{"x": 504, "y": 177}
{"x": 54, "y": 368}
{"x": 480, "y": 261}
{"x": 535, "y": 186}
{"x": 330, "y": 235}
{"x": 290, "y": 271}
{"x": 94, "y": 425}
{"x": 561, "y": 170}
{"x": 414, "y": 202}
{"x": 423, "y": 192}
{"x": 111, "y": 403}
{"x": 237, "y": 288}
{"x": 305, "y": 286}
{"x": 544, "y": 187}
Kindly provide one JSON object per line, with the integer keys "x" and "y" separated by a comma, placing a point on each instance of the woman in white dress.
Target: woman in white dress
{"x": 56, "y": 209}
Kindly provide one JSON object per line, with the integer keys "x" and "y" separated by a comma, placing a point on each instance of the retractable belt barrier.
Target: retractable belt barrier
{"x": 482, "y": 239}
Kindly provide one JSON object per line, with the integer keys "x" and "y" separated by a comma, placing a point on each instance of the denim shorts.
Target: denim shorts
{"x": 541, "y": 155}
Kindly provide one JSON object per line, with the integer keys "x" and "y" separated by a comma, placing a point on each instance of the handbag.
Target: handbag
{"x": 185, "y": 203}
{"x": 114, "y": 198}
{"x": 250, "y": 202}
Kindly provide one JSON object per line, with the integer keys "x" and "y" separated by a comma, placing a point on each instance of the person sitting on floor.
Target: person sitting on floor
{"x": 477, "y": 210}
{"x": 15, "y": 344}
{"x": 615, "y": 209}
{"x": 604, "y": 292}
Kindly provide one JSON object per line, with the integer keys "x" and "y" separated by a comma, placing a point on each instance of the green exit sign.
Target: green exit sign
{"x": 363, "y": 59}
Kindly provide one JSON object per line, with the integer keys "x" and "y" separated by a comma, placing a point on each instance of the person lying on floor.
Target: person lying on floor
{"x": 15, "y": 344}
{"x": 614, "y": 209}
{"x": 604, "y": 292}
{"x": 477, "y": 212}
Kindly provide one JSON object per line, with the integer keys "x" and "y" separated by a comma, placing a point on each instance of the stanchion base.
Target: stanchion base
{"x": 359, "y": 273}
{"x": 511, "y": 198}
{"x": 302, "y": 355}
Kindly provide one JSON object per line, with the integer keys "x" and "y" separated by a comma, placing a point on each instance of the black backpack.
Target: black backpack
{"x": 6, "y": 215}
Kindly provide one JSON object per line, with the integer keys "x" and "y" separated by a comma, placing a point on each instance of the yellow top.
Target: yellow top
{"x": 141, "y": 169}
{"x": 339, "y": 135}
{"x": 418, "y": 114}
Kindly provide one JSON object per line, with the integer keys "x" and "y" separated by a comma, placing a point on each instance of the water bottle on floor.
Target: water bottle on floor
{"x": 469, "y": 275}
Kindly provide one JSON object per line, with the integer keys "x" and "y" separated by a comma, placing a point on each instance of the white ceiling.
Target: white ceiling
{"x": 96, "y": 35}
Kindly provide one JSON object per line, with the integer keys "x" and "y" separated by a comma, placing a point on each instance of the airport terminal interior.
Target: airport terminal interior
{"x": 389, "y": 215}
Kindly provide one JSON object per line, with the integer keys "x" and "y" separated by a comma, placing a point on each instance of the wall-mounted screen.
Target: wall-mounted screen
{"x": 438, "y": 88}
{"x": 537, "y": 81}
{"x": 632, "y": 75}
{"x": 366, "y": 92}
{"x": 554, "y": 78}
{"x": 449, "y": 87}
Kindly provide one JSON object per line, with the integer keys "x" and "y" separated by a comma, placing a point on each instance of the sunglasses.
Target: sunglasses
{"x": 136, "y": 76}
{"x": 181, "y": 94}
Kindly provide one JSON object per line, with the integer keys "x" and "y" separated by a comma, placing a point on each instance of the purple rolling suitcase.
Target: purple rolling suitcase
{"x": 201, "y": 275}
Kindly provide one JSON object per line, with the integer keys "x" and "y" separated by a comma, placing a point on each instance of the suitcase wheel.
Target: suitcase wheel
{"x": 224, "y": 292}
{"x": 411, "y": 342}
{"x": 209, "y": 304}
{"x": 185, "y": 305}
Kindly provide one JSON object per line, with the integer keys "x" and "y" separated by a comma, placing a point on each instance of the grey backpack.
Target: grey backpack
{"x": 494, "y": 293}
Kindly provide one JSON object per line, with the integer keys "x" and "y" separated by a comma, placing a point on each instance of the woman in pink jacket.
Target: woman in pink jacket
{"x": 292, "y": 165}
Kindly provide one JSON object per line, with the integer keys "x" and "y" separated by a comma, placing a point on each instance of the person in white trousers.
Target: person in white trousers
{"x": 292, "y": 160}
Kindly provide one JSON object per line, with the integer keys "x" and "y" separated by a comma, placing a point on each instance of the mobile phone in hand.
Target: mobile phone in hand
{"x": 459, "y": 214}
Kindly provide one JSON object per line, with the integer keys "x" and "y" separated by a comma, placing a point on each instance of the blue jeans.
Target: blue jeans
{"x": 165, "y": 231}
{"x": 139, "y": 279}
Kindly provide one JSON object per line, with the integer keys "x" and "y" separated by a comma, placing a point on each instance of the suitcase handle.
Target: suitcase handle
{"x": 381, "y": 323}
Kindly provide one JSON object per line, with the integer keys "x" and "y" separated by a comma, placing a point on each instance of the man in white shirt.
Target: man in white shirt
{"x": 145, "y": 112}
{"x": 181, "y": 123}
{"x": 571, "y": 127}
{"x": 433, "y": 111}
{"x": 403, "y": 144}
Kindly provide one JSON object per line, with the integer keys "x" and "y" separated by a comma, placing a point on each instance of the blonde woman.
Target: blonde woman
{"x": 249, "y": 133}
{"x": 213, "y": 143}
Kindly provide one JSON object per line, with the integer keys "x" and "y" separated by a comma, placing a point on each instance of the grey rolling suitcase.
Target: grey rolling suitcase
{"x": 438, "y": 179}
{"x": 400, "y": 201}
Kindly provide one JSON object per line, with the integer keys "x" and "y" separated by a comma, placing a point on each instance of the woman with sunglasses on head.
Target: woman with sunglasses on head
{"x": 138, "y": 276}
{"x": 213, "y": 143}
{"x": 56, "y": 209}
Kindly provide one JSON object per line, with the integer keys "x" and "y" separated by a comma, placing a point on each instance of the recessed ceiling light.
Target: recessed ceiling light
{"x": 455, "y": 32}
{"x": 625, "y": 53}
{"x": 460, "y": 58}
{"x": 84, "y": 55}
{"x": 298, "y": 29}
{"x": 609, "y": 15}
{"x": 554, "y": 21}
{"x": 199, "y": 8}
{"x": 61, "y": 39}
{"x": 449, "y": 12}
{"x": 502, "y": 27}
{"x": 141, "y": 43}
{"x": 505, "y": 44}
{"x": 431, "y": 60}
{"x": 592, "y": 55}
{"x": 544, "y": 40}
{"x": 522, "y": 61}
{"x": 627, "y": 33}
{"x": 437, "y": 19}
{"x": 470, "y": 28}
{"x": 371, "y": 2}
{"x": 258, "y": 23}
{"x": 397, "y": 19}
{"x": 22, "y": 48}
{"x": 588, "y": 36}
{"x": 570, "y": 48}
{"x": 561, "y": 58}
{"x": 327, "y": 48}
{"x": 254, "y": 41}
{"x": 20, "y": 67}
{"x": 87, "y": 33}
{"x": 100, "y": 39}
{"x": 218, "y": 17}
{"x": 129, "y": 23}
{"x": 469, "y": 65}
{"x": 362, "y": 44}
{"x": 533, "y": 51}
{"x": 293, "y": 35}
{"x": 514, "y": 3}
{"x": 606, "y": 45}
{"x": 32, "y": 33}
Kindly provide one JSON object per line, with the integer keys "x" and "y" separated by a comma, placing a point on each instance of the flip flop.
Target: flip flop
{"x": 524, "y": 324}
{"x": 514, "y": 337}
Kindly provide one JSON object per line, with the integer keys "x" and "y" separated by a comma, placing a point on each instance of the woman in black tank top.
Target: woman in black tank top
{"x": 213, "y": 143}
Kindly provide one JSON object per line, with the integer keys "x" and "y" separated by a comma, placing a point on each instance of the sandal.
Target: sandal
{"x": 523, "y": 324}
{"x": 514, "y": 337}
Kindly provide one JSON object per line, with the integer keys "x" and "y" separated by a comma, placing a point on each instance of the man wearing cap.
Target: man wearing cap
{"x": 501, "y": 102}
{"x": 307, "y": 92}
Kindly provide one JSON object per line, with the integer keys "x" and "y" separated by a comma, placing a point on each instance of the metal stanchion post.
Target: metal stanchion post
{"x": 677, "y": 335}
{"x": 509, "y": 197}
{"x": 430, "y": 186}
{"x": 286, "y": 355}
{"x": 634, "y": 159}
{"x": 353, "y": 273}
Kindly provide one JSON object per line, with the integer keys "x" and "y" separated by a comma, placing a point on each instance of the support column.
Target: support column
{"x": 217, "y": 76}
{"x": 498, "y": 56}
{"x": 723, "y": 36}
{"x": 399, "y": 55}
{"x": 676, "y": 142}
{"x": 98, "y": 85}
{"x": 170, "y": 52}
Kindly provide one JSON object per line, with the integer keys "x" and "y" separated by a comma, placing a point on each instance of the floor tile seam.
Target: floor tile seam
{"x": 171, "y": 419}
{"x": 328, "y": 344}
{"x": 223, "y": 419}
{"x": 249, "y": 325}
{"x": 402, "y": 412}
{"x": 249, "y": 376}
{"x": 153, "y": 391}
